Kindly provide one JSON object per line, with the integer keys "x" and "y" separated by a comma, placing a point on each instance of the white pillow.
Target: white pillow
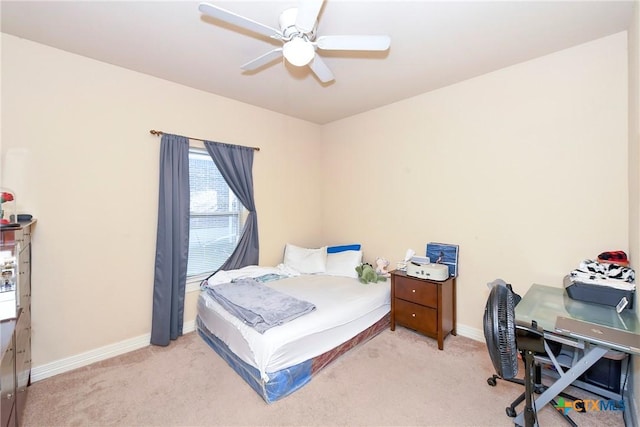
{"x": 343, "y": 263}
{"x": 306, "y": 261}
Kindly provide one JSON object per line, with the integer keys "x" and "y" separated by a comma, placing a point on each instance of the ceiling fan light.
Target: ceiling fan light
{"x": 298, "y": 51}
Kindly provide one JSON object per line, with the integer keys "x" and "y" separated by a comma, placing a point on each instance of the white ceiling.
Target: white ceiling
{"x": 433, "y": 44}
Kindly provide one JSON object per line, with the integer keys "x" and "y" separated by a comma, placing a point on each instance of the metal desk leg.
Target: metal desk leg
{"x": 591, "y": 356}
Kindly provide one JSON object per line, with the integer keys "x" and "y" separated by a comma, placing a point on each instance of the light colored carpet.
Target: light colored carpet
{"x": 397, "y": 379}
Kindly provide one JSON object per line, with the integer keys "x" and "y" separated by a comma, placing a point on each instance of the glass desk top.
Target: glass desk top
{"x": 545, "y": 303}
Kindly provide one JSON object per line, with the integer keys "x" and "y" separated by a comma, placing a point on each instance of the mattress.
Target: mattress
{"x": 344, "y": 309}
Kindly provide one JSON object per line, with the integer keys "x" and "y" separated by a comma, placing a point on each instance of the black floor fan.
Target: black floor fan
{"x": 505, "y": 339}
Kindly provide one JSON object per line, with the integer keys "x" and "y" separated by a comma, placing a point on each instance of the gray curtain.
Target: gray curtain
{"x": 172, "y": 242}
{"x": 235, "y": 163}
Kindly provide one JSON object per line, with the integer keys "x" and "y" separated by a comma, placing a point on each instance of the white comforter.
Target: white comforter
{"x": 344, "y": 307}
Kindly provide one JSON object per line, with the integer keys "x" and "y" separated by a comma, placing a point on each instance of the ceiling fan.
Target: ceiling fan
{"x": 298, "y": 34}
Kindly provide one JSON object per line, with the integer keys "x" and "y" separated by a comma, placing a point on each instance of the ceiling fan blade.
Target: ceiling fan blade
{"x": 262, "y": 60}
{"x": 321, "y": 70}
{"x": 353, "y": 42}
{"x": 308, "y": 11}
{"x": 237, "y": 20}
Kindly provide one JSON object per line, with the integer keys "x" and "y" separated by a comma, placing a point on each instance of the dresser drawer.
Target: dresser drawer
{"x": 417, "y": 291}
{"x": 416, "y": 316}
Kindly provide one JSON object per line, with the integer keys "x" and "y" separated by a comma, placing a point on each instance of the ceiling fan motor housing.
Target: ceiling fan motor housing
{"x": 288, "y": 27}
{"x": 297, "y": 48}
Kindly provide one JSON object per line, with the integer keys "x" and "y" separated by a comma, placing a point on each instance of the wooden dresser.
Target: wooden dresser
{"x": 426, "y": 306}
{"x": 15, "y": 325}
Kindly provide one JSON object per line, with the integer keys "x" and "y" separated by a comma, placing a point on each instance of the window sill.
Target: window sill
{"x": 193, "y": 285}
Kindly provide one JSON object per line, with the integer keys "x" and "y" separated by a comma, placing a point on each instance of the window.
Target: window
{"x": 217, "y": 216}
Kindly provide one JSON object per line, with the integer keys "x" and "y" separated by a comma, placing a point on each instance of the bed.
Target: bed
{"x": 283, "y": 358}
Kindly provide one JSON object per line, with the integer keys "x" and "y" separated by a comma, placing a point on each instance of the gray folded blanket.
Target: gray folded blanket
{"x": 257, "y": 305}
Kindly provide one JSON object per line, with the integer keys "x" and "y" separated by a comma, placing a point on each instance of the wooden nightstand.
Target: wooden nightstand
{"x": 426, "y": 306}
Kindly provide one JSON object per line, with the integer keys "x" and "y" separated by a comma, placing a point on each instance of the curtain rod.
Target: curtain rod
{"x": 159, "y": 133}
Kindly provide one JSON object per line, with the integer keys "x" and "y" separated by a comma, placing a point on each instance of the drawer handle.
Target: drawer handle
{"x": 413, "y": 315}
{"x": 413, "y": 290}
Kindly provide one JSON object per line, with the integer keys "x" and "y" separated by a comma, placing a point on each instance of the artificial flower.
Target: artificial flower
{"x": 6, "y": 197}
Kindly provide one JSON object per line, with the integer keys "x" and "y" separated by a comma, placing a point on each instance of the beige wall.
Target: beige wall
{"x": 502, "y": 165}
{"x": 634, "y": 171}
{"x": 525, "y": 168}
{"x": 93, "y": 182}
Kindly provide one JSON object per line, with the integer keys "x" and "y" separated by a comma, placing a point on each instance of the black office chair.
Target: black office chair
{"x": 505, "y": 339}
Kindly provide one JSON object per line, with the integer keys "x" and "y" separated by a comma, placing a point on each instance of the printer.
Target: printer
{"x": 429, "y": 271}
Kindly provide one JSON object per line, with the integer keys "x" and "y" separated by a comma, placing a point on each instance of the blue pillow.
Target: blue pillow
{"x": 342, "y": 248}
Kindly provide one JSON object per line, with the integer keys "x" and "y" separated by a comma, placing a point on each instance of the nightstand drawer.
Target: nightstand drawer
{"x": 417, "y": 291}
{"x": 416, "y": 316}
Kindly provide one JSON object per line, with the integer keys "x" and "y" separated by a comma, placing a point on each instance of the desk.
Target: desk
{"x": 544, "y": 304}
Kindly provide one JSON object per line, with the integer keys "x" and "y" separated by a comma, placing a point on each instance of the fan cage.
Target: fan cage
{"x": 500, "y": 331}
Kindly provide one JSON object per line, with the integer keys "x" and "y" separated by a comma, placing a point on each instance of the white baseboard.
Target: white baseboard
{"x": 41, "y": 372}
{"x": 471, "y": 333}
